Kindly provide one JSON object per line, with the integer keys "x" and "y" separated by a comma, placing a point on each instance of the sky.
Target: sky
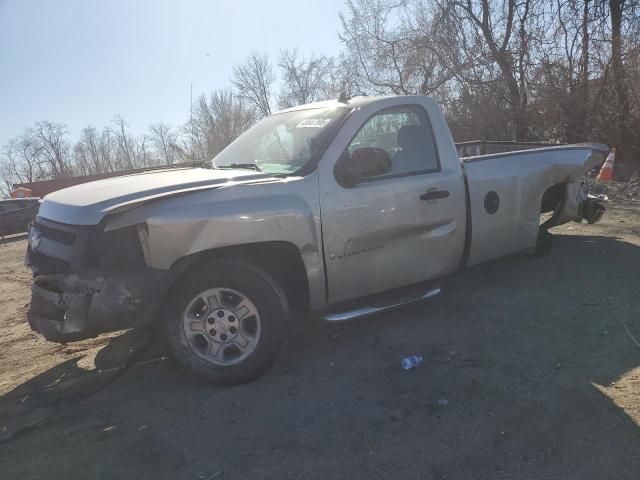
{"x": 82, "y": 62}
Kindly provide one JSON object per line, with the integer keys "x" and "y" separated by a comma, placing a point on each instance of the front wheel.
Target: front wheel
{"x": 226, "y": 321}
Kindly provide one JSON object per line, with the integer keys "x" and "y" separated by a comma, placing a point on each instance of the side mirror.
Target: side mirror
{"x": 362, "y": 163}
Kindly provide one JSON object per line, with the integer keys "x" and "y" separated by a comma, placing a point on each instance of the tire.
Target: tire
{"x": 226, "y": 321}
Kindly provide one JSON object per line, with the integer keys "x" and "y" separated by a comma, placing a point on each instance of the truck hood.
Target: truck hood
{"x": 88, "y": 203}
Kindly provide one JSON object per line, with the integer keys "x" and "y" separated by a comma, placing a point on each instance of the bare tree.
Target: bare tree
{"x": 254, "y": 79}
{"x": 53, "y": 147}
{"x": 164, "y": 139}
{"x": 81, "y": 160}
{"x": 217, "y": 121}
{"x": 21, "y": 161}
{"x": 499, "y": 34}
{"x": 91, "y": 141}
{"x": 620, "y": 86}
{"x": 551, "y": 70}
{"x": 559, "y": 86}
{"x": 107, "y": 150}
{"x": 304, "y": 79}
{"x": 393, "y": 47}
{"x": 232, "y": 118}
{"x": 125, "y": 143}
{"x": 143, "y": 157}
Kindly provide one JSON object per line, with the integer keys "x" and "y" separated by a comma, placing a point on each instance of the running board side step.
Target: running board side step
{"x": 380, "y": 308}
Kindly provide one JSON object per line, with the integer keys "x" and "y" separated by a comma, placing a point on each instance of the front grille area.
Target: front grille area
{"x": 68, "y": 238}
{"x": 56, "y": 247}
{"x": 64, "y": 248}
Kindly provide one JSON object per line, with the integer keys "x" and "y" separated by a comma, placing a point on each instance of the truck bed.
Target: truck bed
{"x": 506, "y": 189}
{"x": 488, "y": 147}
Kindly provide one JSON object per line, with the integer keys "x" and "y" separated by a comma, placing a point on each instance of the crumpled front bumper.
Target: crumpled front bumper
{"x": 71, "y": 307}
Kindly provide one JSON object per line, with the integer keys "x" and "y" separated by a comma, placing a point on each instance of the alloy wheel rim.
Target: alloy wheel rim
{"x": 222, "y": 326}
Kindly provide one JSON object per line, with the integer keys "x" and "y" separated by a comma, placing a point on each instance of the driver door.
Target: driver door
{"x": 393, "y": 229}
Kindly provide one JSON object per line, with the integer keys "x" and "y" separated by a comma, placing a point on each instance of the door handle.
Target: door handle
{"x": 434, "y": 194}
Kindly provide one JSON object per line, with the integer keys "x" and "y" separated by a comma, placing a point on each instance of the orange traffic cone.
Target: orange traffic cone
{"x": 606, "y": 172}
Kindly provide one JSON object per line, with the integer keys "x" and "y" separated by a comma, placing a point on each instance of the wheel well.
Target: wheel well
{"x": 552, "y": 197}
{"x": 281, "y": 259}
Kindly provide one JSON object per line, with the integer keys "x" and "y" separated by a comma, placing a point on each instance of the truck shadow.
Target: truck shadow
{"x": 67, "y": 383}
{"x": 528, "y": 372}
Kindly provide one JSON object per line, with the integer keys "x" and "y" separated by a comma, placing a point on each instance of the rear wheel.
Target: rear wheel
{"x": 226, "y": 321}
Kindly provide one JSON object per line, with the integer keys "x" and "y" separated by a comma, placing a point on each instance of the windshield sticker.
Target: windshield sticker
{"x": 313, "y": 123}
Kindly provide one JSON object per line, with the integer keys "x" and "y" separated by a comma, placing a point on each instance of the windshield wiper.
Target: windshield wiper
{"x": 245, "y": 166}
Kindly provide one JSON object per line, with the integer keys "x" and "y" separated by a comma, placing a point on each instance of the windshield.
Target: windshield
{"x": 282, "y": 143}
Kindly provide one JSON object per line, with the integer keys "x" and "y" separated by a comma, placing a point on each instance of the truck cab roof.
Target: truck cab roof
{"x": 354, "y": 102}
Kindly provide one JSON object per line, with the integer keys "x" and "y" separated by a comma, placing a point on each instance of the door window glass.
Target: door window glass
{"x": 405, "y": 134}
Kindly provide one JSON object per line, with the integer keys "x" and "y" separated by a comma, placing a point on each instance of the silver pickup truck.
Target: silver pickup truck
{"x": 341, "y": 208}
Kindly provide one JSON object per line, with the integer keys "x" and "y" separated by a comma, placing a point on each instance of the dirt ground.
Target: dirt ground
{"x": 529, "y": 373}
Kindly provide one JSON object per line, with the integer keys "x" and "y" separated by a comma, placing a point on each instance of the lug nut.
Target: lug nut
{"x": 233, "y": 330}
{"x": 210, "y": 321}
{"x": 212, "y": 332}
{"x": 220, "y": 313}
{"x": 232, "y": 318}
{"x": 223, "y": 337}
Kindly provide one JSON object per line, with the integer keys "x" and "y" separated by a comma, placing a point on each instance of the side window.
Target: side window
{"x": 405, "y": 134}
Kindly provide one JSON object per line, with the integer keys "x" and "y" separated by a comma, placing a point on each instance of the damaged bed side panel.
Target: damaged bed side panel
{"x": 506, "y": 192}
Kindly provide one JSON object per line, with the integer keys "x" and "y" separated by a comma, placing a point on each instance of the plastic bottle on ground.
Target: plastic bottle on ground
{"x": 410, "y": 362}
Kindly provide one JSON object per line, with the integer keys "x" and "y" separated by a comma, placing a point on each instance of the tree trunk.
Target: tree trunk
{"x": 619, "y": 77}
{"x": 584, "y": 112}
